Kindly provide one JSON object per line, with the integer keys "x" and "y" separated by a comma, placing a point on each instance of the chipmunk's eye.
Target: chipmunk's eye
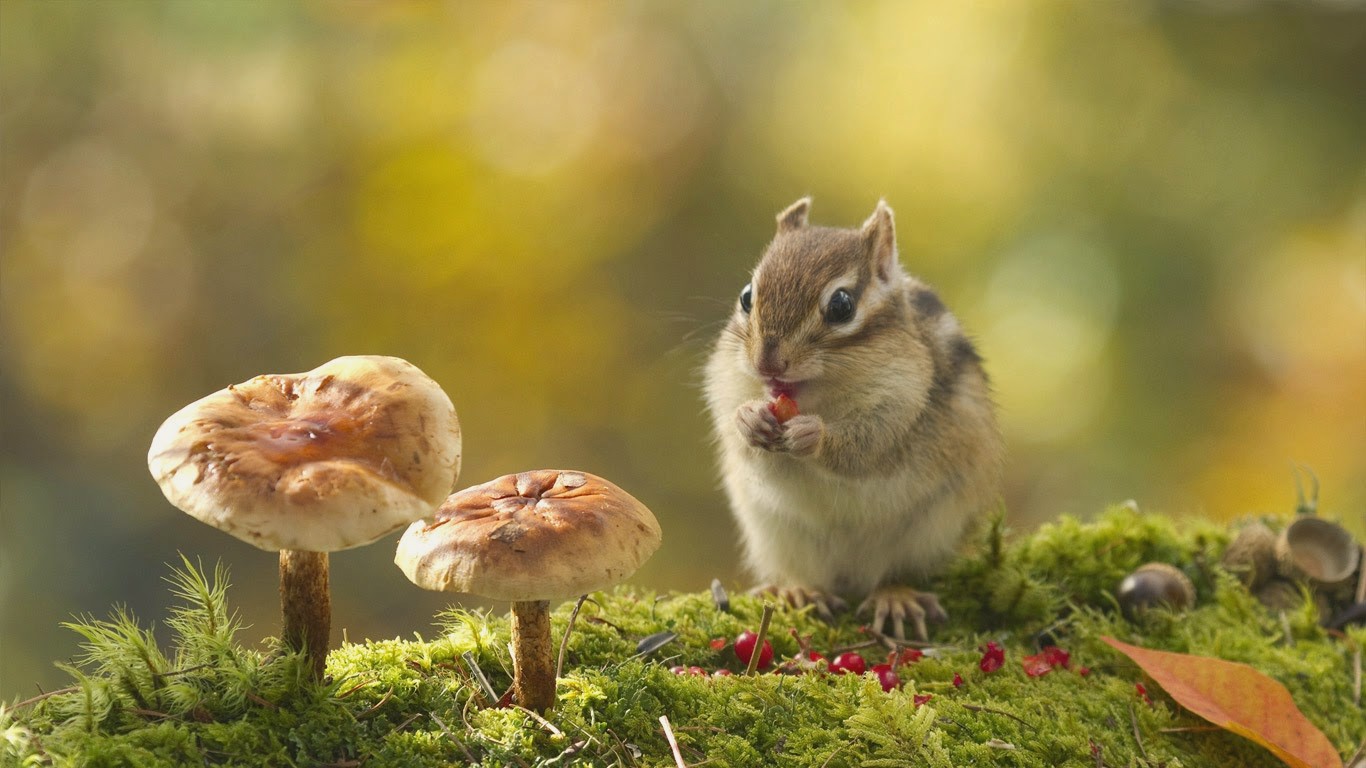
{"x": 840, "y": 309}
{"x": 747, "y": 298}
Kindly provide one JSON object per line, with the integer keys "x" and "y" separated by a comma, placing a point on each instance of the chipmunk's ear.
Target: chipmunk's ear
{"x": 795, "y": 215}
{"x": 879, "y": 237}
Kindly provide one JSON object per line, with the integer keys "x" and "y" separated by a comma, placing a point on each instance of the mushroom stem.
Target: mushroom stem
{"x": 533, "y": 681}
{"x": 306, "y": 605}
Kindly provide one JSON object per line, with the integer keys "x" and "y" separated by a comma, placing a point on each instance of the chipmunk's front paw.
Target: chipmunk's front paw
{"x": 802, "y": 435}
{"x": 759, "y": 426}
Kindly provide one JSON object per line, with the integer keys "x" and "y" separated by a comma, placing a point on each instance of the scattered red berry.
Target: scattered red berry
{"x": 783, "y": 408}
{"x": 1056, "y": 656}
{"x": 957, "y": 680}
{"x": 1142, "y": 692}
{"x": 722, "y": 673}
{"x": 1083, "y": 671}
{"x": 744, "y": 649}
{"x": 1036, "y": 665}
{"x": 717, "y": 643}
{"x": 993, "y": 657}
{"x": 697, "y": 672}
{"x": 849, "y": 663}
{"x": 886, "y": 676}
{"x": 678, "y": 669}
{"x": 921, "y": 698}
{"x": 907, "y": 656}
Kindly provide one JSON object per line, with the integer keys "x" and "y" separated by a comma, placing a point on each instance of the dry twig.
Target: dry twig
{"x": 669, "y": 735}
{"x": 564, "y": 641}
{"x": 758, "y": 642}
{"x": 1133, "y": 719}
{"x": 980, "y": 708}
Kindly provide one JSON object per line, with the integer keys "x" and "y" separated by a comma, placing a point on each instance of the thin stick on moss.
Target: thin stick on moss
{"x": 484, "y": 685}
{"x": 1017, "y": 718}
{"x": 1138, "y": 739}
{"x": 669, "y": 733}
{"x": 549, "y": 726}
{"x": 564, "y": 641}
{"x": 753, "y": 664}
{"x": 446, "y": 730}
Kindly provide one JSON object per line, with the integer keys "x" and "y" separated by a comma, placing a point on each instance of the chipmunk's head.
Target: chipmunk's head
{"x": 818, "y": 294}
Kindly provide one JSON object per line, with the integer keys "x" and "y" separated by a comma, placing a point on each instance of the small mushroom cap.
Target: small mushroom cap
{"x": 320, "y": 461}
{"x": 541, "y": 535}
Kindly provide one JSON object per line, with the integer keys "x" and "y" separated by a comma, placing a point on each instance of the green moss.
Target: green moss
{"x": 208, "y": 700}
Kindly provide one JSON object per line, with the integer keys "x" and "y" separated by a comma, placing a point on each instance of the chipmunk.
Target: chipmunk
{"x": 895, "y": 449}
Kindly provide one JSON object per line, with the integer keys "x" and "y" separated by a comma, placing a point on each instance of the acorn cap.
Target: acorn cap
{"x": 1317, "y": 549}
{"x": 319, "y": 461}
{"x": 541, "y": 535}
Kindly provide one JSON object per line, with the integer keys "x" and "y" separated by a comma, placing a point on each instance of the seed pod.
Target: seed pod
{"x": 1155, "y": 584}
{"x": 1318, "y": 550}
{"x": 1251, "y": 556}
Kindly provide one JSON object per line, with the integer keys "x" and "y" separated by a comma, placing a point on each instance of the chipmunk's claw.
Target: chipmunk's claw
{"x": 824, "y": 604}
{"x": 897, "y": 604}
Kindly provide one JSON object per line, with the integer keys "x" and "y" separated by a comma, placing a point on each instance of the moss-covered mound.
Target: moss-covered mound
{"x": 208, "y": 701}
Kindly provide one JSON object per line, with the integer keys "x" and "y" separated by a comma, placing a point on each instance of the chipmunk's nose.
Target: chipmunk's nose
{"x": 770, "y": 365}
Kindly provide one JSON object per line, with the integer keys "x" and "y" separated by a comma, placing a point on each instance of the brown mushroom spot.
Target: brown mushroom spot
{"x": 274, "y": 424}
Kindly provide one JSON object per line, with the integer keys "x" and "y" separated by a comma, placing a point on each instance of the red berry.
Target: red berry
{"x": 721, "y": 673}
{"x": 957, "y": 680}
{"x": 993, "y": 656}
{"x": 1056, "y": 656}
{"x": 744, "y": 649}
{"x": 679, "y": 669}
{"x": 921, "y": 698}
{"x": 1035, "y": 666}
{"x": 783, "y": 408}
{"x": 1083, "y": 671}
{"x": 717, "y": 643}
{"x": 886, "y": 676}
{"x": 849, "y": 663}
{"x": 697, "y": 672}
{"x": 907, "y": 656}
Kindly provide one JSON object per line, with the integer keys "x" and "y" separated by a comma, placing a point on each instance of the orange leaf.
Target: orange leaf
{"x": 1240, "y": 699}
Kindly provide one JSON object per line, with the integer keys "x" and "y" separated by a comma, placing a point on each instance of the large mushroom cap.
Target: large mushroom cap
{"x": 542, "y": 535}
{"x": 319, "y": 461}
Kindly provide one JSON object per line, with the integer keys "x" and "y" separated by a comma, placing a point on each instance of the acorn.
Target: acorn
{"x": 1280, "y": 595}
{"x": 1318, "y": 550}
{"x": 1153, "y": 584}
{"x": 1283, "y": 595}
{"x": 1251, "y": 556}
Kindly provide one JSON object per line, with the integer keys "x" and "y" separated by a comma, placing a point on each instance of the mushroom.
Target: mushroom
{"x": 1152, "y": 584}
{"x": 311, "y": 463}
{"x": 531, "y": 538}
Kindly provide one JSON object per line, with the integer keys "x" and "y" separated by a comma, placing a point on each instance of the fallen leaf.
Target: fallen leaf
{"x": 1239, "y": 699}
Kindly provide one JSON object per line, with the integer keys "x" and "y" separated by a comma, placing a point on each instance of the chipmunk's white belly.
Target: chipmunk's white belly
{"x": 803, "y": 526}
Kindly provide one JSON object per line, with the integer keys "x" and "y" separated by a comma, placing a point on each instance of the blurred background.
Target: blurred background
{"x": 1152, "y": 215}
